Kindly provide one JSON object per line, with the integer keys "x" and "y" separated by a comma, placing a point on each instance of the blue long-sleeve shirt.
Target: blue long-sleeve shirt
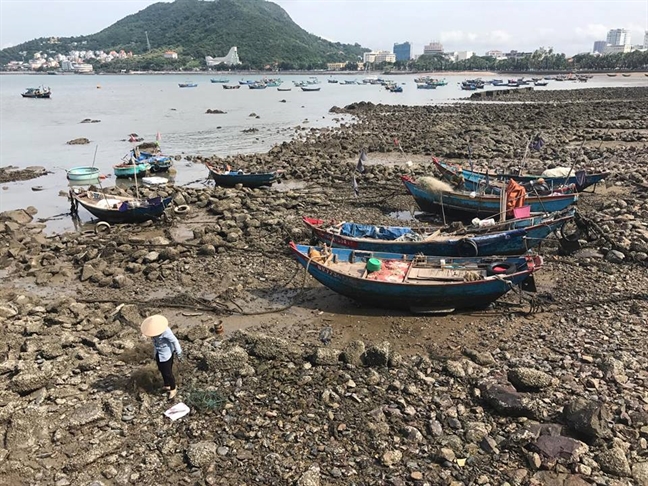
{"x": 165, "y": 344}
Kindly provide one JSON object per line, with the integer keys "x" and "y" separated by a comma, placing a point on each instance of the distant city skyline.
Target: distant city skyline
{"x": 569, "y": 26}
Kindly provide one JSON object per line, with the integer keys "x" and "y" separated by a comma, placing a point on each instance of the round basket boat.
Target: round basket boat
{"x": 82, "y": 173}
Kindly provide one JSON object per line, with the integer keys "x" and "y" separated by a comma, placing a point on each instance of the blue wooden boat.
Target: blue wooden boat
{"x": 469, "y": 205}
{"x": 79, "y": 174}
{"x": 131, "y": 170}
{"x": 219, "y": 80}
{"x": 513, "y": 237}
{"x": 475, "y": 179}
{"x": 229, "y": 178}
{"x": 257, "y": 86}
{"x": 415, "y": 282}
{"x": 396, "y": 89}
{"x": 187, "y": 85}
{"x": 119, "y": 209}
{"x": 425, "y": 86}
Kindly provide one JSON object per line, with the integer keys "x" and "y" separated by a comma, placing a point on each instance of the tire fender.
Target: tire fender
{"x": 182, "y": 209}
{"x": 501, "y": 268}
{"x": 466, "y": 247}
{"x": 102, "y": 227}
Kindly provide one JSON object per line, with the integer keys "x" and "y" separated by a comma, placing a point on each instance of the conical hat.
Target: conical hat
{"x": 154, "y": 325}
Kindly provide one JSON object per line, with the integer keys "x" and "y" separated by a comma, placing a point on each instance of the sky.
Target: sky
{"x": 569, "y": 26}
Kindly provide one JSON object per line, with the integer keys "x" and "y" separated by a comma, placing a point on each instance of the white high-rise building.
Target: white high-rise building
{"x": 618, "y": 37}
{"x": 646, "y": 40}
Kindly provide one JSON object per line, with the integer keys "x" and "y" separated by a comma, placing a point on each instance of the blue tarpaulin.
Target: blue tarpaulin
{"x": 388, "y": 233}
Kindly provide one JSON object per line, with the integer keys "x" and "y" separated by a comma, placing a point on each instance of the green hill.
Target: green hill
{"x": 263, "y": 32}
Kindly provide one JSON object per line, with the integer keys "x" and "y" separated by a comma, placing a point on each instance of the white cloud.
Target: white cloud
{"x": 461, "y": 37}
{"x": 592, "y": 31}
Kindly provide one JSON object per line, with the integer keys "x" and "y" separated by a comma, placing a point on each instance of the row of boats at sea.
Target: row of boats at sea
{"x": 423, "y": 269}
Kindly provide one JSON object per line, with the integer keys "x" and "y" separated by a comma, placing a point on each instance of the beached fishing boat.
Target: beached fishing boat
{"x": 626, "y": 75}
{"x": 219, "y": 80}
{"x": 474, "y": 180}
{"x": 611, "y": 75}
{"x": 229, "y": 178}
{"x": 235, "y": 86}
{"x": 187, "y": 85}
{"x": 79, "y": 174}
{"x": 512, "y": 237}
{"x": 41, "y": 92}
{"x": 310, "y": 88}
{"x": 415, "y": 282}
{"x": 284, "y": 89}
{"x": 119, "y": 209}
{"x": 470, "y": 204}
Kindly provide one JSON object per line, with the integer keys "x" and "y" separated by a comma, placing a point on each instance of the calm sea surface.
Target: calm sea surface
{"x": 35, "y": 132}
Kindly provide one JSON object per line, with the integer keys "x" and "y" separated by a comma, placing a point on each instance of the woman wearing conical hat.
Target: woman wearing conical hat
{"x": 164, "y": 345}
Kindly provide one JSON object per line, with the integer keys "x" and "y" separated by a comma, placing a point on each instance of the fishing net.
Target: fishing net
{"x": 204, "y": 400}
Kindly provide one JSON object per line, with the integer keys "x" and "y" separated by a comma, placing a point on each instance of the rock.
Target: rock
{"x": 389, "y": 458}
{"x": 529, "y": 379}
{"x": 7, "y": 311}
{"x": 614, "y": 461}
{"x": 352, "y": 353}
{"x": 310, "y": 477}
{"x": 122, "y": 281}
{"x": 129, "y": 315}
{"x": 201, "y": 454}
{"x": 377, "y": 355}
{"x": 589, "y": 418}
{"x": 88, "y": 272}
{"x": 19, "y": 216}
{"x": 27, "y": 381}
{"x": 85, "y": 414}
{"x": 560, "y": 447}
{"x": 614, "y": 256}
{"x": 325, "y": 356}
{"x": 455, "y": 369}
{"x": 78, "y": 141}
{"x": 234, "y": 358}
{"x": 482, "y": 358}
{"x": 506, "y": 400}
{"x": 640, "y": 473}
{"x": 151, "y": 257}
{"x": 267, "y": 347}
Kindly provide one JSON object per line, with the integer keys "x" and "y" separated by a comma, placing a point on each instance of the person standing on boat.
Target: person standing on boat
{"x": 164, "y": 345}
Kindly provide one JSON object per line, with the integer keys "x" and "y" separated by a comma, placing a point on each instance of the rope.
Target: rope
{"x": 204, "y": 400}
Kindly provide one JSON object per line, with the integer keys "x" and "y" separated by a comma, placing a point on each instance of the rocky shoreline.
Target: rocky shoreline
{"x": 504, "y": 396}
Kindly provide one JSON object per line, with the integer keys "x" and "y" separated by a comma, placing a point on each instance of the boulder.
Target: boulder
{"x": 311, "y": 477}
{"x": 325, "y": 356}
{"x": 529, "y": 379}
{"x": 589, "y": 418}
{"x": 614, "y": 461}
{"x": 377, "y": 355}
{"x": 201, "y": 454}
{"x": 560, "y": 447}
{"x": 19, "y": 216}
{"x": 234, "y": 358}
{"x": 507, "y": 401}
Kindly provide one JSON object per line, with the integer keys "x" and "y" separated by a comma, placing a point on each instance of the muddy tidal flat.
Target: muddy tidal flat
{"x": 556, "y": 394}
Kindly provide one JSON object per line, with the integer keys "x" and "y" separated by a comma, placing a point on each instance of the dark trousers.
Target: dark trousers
{"x": 166, "y": 369}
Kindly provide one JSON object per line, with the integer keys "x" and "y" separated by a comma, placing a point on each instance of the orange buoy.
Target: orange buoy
{"x": 102, "y": 177}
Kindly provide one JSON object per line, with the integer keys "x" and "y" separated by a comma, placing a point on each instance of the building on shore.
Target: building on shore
{"x": 618, "y": 37}
{"x": 170, "y": 55}
{"x": 378, "y": 57}
{"x": 461, "y": 55}
{"x": 498, "y": 55}
{"x": 336, "y": 66}
{"x": 403, "y": 52}
{"x": 434, "y": 47}
{"x": 599, "y": 47}
{"x": 231, "y": 59}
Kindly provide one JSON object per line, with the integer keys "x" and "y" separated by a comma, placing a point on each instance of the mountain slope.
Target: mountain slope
{"x": 263, "y": 32}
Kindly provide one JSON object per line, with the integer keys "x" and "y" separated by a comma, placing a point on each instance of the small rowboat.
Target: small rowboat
{"x": 78, "y": 174}
{"x": 284, "y": 89}
{"x": 187, "y": 85}
{"x": 235, "y": 86}
{"x": 130, "y": 170}
{"x": 310, "y": 88}
{"x": 219, "y": 80}
{"x": 415, "y": 282}
{"x": 230, "y": 178}
{"x": 118, "y": 209}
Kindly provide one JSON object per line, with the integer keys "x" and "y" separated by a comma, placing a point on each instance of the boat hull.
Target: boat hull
{"x": 128, "y": 216}
{"x": 514, "y": 241}
{"x": 253, "y": 180}
{"x": 449, "y": 296}
{"x": 468, "y": 207}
